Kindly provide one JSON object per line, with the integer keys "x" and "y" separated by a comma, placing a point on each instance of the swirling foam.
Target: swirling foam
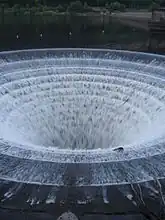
{"x": 60, "y": 107}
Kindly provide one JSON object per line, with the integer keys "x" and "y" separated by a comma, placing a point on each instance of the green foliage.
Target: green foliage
{"x": 16, "y": 7}
{"x": 40, "y": 7}
{"x": 78, "y": 7}
{"x": 115, "y": 6}
{"x": 101, "y": 2}
{"x": 60, "y": 8}
{"x": 48, "y": 13}
{"x": 87, "y": 8}
{"x": 153, "y": 6}
{"x": 27, "y": 13}
{"x": 158, "y": 2}
{"x": 122, "y": 7}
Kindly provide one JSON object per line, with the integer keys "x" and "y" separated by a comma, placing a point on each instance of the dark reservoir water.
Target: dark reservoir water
{"x": 113, "y": 35}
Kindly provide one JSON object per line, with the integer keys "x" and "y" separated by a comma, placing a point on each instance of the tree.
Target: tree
{"x": 101, "y": 2}
{"x": 76, "y": 6}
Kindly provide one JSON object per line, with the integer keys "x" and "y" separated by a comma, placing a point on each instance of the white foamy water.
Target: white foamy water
{"x": 102, "y": 110}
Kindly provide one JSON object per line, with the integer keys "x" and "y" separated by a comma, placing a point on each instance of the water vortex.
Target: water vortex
{"x": 98, "y": 113}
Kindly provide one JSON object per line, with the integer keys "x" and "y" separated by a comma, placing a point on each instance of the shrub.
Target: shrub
{"x": 87, "y": 8}
{"x": 158, "y": 1}
{"x": 153, "y": 6}
{"x": 27, "y": 13}
{"x": 76, "y": 6}
{"x": 45, "y": 8}
{"x": 39, "y": 13}
{"x": 60, "y": 8}
{"x": 40, "y": 7}
{"x": 101, "y": 2}
{"x": 49, "y": 13}
{"x": 115, "y": 6}
{"x": 16, "y": 7}
{"x": 122, "y": 7}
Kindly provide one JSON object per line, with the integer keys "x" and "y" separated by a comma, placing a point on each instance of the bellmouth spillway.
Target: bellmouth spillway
{"x": 97, "y": 114}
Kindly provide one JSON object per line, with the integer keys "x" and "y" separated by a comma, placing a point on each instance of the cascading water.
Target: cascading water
{"x": 82, "y": 117}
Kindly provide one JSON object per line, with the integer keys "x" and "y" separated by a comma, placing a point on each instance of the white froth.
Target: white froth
{"x": 80, "y": 108}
